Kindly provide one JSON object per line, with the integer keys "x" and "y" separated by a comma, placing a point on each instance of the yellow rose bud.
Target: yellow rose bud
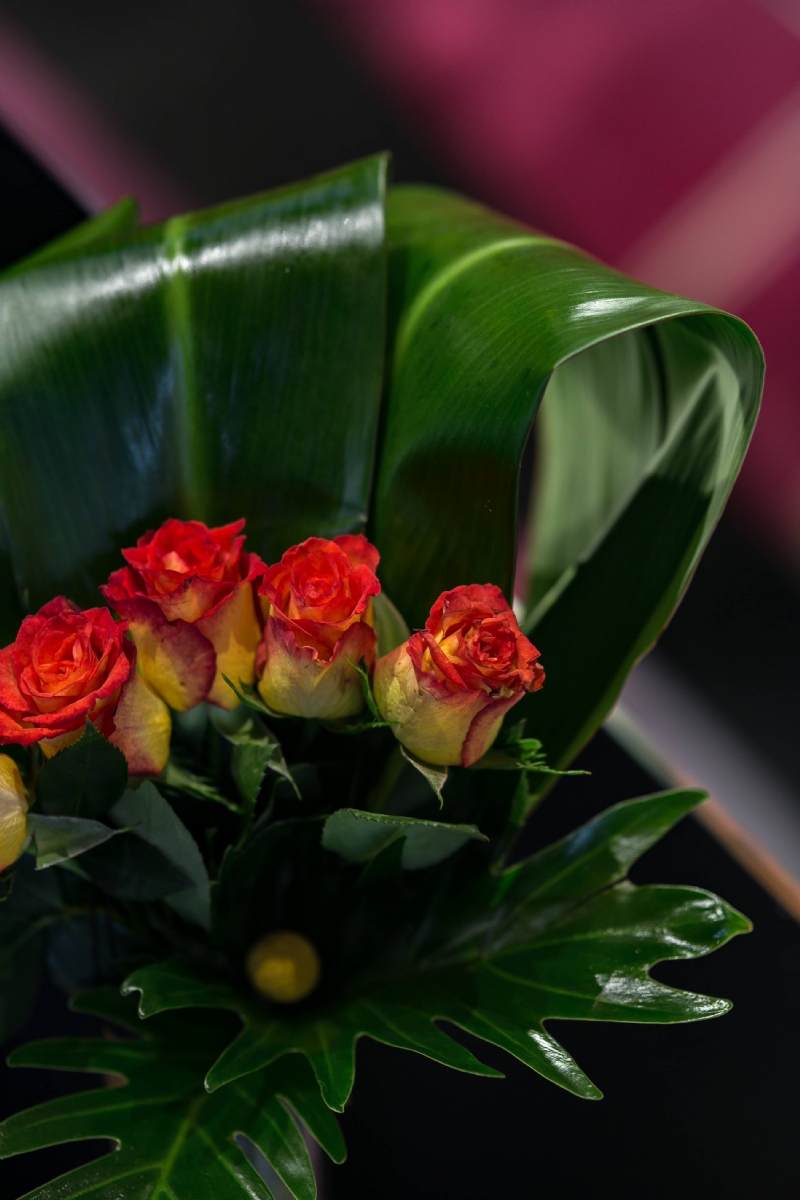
{"x": 284, "y": 967}
{"x": 13, "y": 812}
{"x": 448, "y": 687}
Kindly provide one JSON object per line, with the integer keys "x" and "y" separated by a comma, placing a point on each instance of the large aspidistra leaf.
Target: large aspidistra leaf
{"x": 224, "y": 364}
{"x": 649, "y": 402}
{"x": 175, "y": 1141}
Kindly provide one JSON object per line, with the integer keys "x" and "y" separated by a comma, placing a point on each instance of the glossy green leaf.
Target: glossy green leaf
{"x": 110, "y": 226}
{"x": 649, "y": 402}
{"x": 85, "y": 779}
{"x": 224, "y": 364}
{"x": 359, "y": 836}
{"x": 58, "y": 838}
{"x": 560, "y": 935}
{"x": 175, "y": 1140}
{"x": 150, "y": 818}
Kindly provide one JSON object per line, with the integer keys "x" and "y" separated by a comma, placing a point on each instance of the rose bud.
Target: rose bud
{"x": 13, "y": 812}
{"x": 189, "y": 599}
{"x": 66, "y": 666}
{"x": 319, "y": 617}
{"x": 450, "y": 685}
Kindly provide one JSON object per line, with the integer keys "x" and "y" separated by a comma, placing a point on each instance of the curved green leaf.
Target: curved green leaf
{"x": 175, "y": 1142}
{"x": 649, "y": 402}
{"x": 359, "y": 836}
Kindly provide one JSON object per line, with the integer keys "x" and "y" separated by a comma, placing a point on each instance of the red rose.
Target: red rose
{"x": 449, "y": 686}
{"x": 188, "y": 596}
{"x": 67, "y": 665}
{"x": 320, "y": 615}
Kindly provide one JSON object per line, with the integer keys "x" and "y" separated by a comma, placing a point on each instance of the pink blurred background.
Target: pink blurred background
{"x": 664, "y": 138}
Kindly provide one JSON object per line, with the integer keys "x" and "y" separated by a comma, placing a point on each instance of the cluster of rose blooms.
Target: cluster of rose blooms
{"x": 194, "y": 608}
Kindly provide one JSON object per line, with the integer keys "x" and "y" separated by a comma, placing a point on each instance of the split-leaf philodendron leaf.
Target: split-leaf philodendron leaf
{"x": 564, "y": 934}
{"x": 174, "y": 1141}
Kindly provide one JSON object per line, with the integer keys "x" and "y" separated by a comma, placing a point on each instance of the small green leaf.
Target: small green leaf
{"x": 359, "y": 836}
{"x": 59, "y": 838}
{"x": 246, "y": 694}
{"x": 256, "y": 750}
{"x": 84, "y": 780}
{"x": 390, "y": 626}
{"x": 355, "y": 724}
{"x": 178, "y": 778}
{"x": 152, "y": 819}
{"x": 436, "y": 776}
{"x": 366, "y": 688}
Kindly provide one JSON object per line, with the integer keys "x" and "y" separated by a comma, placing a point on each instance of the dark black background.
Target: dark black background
{"x": 241, "y": 98}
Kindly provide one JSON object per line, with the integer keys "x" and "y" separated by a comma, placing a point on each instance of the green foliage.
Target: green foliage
{"x": 359, "y": 836}
{"x": 391, "y": 629}
{"x": 153, "y": 821}
{"x": 85, "y": 779}
{"x": 32, "y": 904}
{"x": 223, "y": 353}
{"x": 256, "y": 751}
{"x": 561, "y": 935}
{"x": 176, "y": 1142}
{"x": 648, "y": 402}
{"x": 435, "y": 776}
{"x": 240, "y": 361}
{"x": 57, "y": 839}
{"x": 179, "y": 779}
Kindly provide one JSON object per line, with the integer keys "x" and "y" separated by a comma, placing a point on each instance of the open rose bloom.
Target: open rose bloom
{"x": 188, "y": 596}
{"x": 67, "y": 666}
{"x": 449, "y": 686}
{"x": 319, "y": 616}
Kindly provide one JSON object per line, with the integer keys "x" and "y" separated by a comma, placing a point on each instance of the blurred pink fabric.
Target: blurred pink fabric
{"x": 664, "y": 138}
{"x": 48, "y": 113}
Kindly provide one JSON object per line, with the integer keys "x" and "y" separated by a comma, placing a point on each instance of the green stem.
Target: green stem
{"x": 393, "y": 769}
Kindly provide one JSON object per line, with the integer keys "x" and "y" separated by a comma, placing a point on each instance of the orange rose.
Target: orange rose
{"x": 449, "y": 686}
{"x": 320, "y": 615}
{"x": 66, "y": 666}
{"x": 188, "y": 596}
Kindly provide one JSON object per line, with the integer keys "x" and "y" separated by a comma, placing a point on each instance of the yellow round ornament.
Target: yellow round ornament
{"x": 284, "y": 967}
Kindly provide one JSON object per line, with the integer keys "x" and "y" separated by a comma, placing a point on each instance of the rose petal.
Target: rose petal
{"x": 485, "y": 728}
{"x": 296, "y": 681}
{"x": 142, "y": 728}
{"x": 234, "y": 631}
{"x": 176, "y": 659}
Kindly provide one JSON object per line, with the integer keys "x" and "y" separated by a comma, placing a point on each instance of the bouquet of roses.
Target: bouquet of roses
{"x": 246, "y": 813}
